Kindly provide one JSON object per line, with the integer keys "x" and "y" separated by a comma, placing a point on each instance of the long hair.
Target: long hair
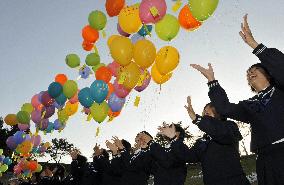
{"x": 216, "y": 114}
{"x": 180, "y": 130}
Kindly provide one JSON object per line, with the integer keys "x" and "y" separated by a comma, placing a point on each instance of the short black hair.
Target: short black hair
{"x": 181, "y": 131}
{"x": 126, "y": 145}
{"x": 216, "y": 114}
{"x": 147, "y": 133}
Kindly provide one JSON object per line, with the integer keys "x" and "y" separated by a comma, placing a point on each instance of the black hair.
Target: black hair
{"x": 264, "y": 71}
{"x": 60, "y": 172}
{"x": 105, "y": 153}
{"x": 216, "y": 114}
{"x": 147, "y": 133}
{"x": 180, "y": 130}
{"x": 126, "y": 145}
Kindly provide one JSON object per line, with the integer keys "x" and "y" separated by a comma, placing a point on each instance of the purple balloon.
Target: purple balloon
{"x": 121, "y": 32}
{"x": 19, "y": 137}
{"x": 59, "y": 107}
{"x": 46, "y": 99}
{"x": 115, "y": 103}
{"x": 36, "y": 140}
{"x": 11, "y": 143}
{"x": 23, "y": 127}
{"x": 145, "y": 84}
{"x": 36, "y": 116}
{"x": 2, "y": 157}
{"x": 43, "y": 124}
{"x": 49, "y": 111}
{"x": 40, "y": 96}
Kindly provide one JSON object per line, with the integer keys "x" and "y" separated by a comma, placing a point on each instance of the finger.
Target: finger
{"x": 246, "y": 25}
{"x": 243, "y": 29}
{"x": 210, "y": 66}
{"x": 242, "y": 35}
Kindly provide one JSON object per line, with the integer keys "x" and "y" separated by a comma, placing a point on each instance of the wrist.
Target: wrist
{"x": 211, "y": 79}
{"x": 253, "y": 44}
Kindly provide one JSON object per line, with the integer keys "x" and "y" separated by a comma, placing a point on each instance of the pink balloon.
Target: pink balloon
{"x": 17, "y": 169}
{"x": 145, "y": 84}
{"x": 74, "y": 99}
{"x": 114, "y": 68}
{"x": 36, "y": 116}
{"x": 35, "y": 102}
{"x": 36, "y": 140}
{"x": 121, "y": 32}
{"x": 86, "y": 110}
{"x": 145, "y": 13}
{"x": 23, "y": 127}
{"x": 120, "y": 90}
{"x": 46, "y": 99}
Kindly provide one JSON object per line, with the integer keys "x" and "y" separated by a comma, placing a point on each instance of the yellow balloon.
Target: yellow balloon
{"x": 110, "y": 39}
{"x": 130, "y": 75}
{"x": 71, "y": 109}
{"x": 144, "y": 53}
{"x": 121, "y": 50}
{"x": 129, "y": 19}
{"x": 157, "y": 77}
{"x": 25, "y": 147}
{"x": 167, "y": 59}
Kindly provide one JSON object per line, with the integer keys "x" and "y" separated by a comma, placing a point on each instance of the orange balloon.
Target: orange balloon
{"x": 11, "y": 119}
{"x": 113, "y": 114}
{"x": 87, "y": 46}
{"x": 32, "y": 165}
{"x": 89, "y": 34}
{"x": 61, "y": 78}
{"x": 110, "y": 90}
{"x": 186, "y": 19}
{"x": 157, "y": 77}
{"x": 113, "y": 7}
{"x": 104, "y": 74}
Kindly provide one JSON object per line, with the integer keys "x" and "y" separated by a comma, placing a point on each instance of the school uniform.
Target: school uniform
{"x": 264, "y": 112}
{"x": 217, "y": 152}
{"x": 78, "y": 167}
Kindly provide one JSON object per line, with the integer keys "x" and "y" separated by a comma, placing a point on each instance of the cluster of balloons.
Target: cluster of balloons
{"x": 25, "y": 168}
{"x": 5, "y": 162}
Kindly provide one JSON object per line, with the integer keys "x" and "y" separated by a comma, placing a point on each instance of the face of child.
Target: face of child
{"x": 256, "y": 78}
{"x": 208, "y": 111}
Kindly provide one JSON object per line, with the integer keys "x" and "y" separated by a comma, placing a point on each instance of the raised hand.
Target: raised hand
{"x": 208, "y": 73}
{"x": 118, "y": 142}
{"x": 112, "y": 147}
{"x": 190, "y": 109}
{"x": 97, "y": 149}
{"x": 246, "y": 33}
{"x": 168, "y": 131}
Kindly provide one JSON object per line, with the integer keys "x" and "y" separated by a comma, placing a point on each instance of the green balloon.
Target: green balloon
{"x": 62, "y": 116}
{"x": 1, "y": 151}
{"x": 202, "y": 9}
{"x": 96, "y": 67}
{"x": 72, "y": 60}
{"x": 27, "y": 107}
{"x": 3, "y": 167}
{"x": 23, "y": 117}
{"x": 93, "y": 59}
{"x": 70, "y": 88}
{"x": 167, "y": 28}
{"x": 97, "y": 20}
{"x": 99, "y": 112}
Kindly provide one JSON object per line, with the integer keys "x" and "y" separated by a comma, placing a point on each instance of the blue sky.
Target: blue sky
{"x": 35, "y": 37}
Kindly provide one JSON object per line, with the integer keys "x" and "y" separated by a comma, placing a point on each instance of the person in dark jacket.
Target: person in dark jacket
{"x": 264, "y": 112}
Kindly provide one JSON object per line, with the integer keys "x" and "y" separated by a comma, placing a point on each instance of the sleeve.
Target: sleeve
{"x": 183, "y": 153}
{"x": 159, "y": 154}
{"x": 273, "y": 60}
{"x": 116, "y": 166}
{"x": 220, "y": 100}
{"x": 224, "y": 132}
{"x": 125, "y": 158}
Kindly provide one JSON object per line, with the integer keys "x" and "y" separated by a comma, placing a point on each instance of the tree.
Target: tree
{"x": 60, "y": 148}
{"x": 245, "y": 131}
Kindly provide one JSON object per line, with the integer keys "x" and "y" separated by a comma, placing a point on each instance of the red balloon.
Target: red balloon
{"x": 32, "y": 165}
{"x": 61, "y": 78}
{"x": 110, "y": 90}
{"x": 104, "y": 73}
{"x": 113, "y": 7}
{"x": 87, "y": 46}
{"x": 89, "y": 34}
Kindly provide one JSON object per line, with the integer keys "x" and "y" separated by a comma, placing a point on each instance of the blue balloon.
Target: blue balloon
{"x": 19, "y": 137}
{"x": 2, "y": 157}
{"x": 35, "y": 150}
{"x": 85, "y": 97}
{"x": 115, "y": 103}
{"x": 85, "y": 72}
{"x": 50, "y": 127}
{"x": 55, "y": 89}
{"x": 145, "y": 30}
{"x": 99, "y": 91}
{"x": 7, "y": 161}
{"x": 61, "y": 99}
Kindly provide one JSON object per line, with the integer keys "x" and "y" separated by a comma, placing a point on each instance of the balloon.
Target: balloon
{"x": 110, "y": 90}
{"x": 61, "y": 78}
{"x": 71, "y": 109}
{"x": 25, "y": 147}
{"x": 167, "y": 28}
{"x": 121, "y": 50}
{"x": 61, "y": 99}
{"x": 62, "y": 116}
{"x": 96, "y": 67}
{"x": 121, "y": 32}
{"x": 35, "y": 101}
{"x": 50, "y": 127}
{"x": 99, "y": 111}
{"x": 104, "y": 74}
{"x": 46, "y": 99}
{"x": 43, "y": 124}
{"x": 114, "y": 68}
{"x": 7, "y": 161}
{"x": 136, "y": 37}
{"x": 113, "y": 7}
{"x": 145, "y": 10}
{"x": 99, "y": 91}
{"x": 36, "y": 116}
{"x": 28, "y": 107}
{"x": 55, "y": 89}
{"x": 186, "y": 20}
{"x": 129, "y": 19}
{"x": 110, "y": 39}
{"x": 144, "y": 53}
{"x": 146, "y": 81}
{"x": 85, "y": 72}
{"x": 202, "y": 9}
{"x": 3, "y": 168}
{"x": 132, "y": 74}
{"x": 39, "y": 168}
{"x": 70, "y": 88}
{"x": 23, "y": 117}
{"x": 17, "y": 170}
{"x": 36, "y": 140}
{"x": 19, "y": 137}
{"x": 167, "y": 59}
{"x": 113, "y": 114}
{"x": 11, "y": 142}
{"x": 32, "y": 165}
{"x": 115, "y": 103}
{"x": 87, "y": 46}
{"x": 11, "y": 119}
{"x": 89, "y": 34}
{"x": 93, "y": 59}
{"x": 1, "y": 152}
{"x": 97, "y": 20}
{"x": 145, "y": 30}
{"x": 40, "y": 96}
{"x": 85, "y": 97}
{"x": 23, "y": 127}
{"x": 157, "y": 77}
{"x": 120, "y": 90}
{"x": 49, "y": 111}
{"x": 86, "y": 110}
{"x": 57, "y": 125}
{"x": 72, "y": 60}
{"x": 74, "y": 99}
